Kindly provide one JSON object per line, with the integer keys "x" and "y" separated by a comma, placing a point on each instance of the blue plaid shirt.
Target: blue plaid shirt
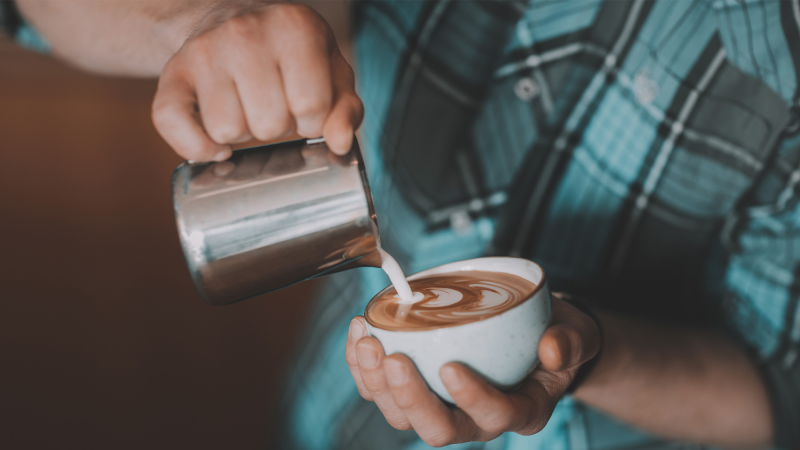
{"x": 646, "y": 154}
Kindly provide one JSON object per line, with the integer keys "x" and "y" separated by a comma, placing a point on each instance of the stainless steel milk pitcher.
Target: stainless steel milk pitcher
{"x": 272, "y": 216}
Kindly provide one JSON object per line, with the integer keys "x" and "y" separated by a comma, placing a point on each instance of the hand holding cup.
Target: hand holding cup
{"x": 481, "y": 411}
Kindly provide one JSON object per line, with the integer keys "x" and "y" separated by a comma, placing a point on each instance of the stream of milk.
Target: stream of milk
{"x": 395, "y": 273}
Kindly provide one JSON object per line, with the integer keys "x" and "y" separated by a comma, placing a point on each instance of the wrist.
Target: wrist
{"x": 587, "y": 367}
{"x": 220, "y": 11}
{"x": 614, "y": 358}
{"x": 179, "y": 22}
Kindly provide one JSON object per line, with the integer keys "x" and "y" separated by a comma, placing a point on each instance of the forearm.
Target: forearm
{"x": 684, "y": 384}
{"x": 123, "y": 37}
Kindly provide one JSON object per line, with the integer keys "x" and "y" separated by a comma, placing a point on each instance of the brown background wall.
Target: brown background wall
{"x": 103, "y": 341}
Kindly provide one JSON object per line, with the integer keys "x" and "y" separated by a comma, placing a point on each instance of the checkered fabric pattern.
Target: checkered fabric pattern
{"x": 645, "y": 153}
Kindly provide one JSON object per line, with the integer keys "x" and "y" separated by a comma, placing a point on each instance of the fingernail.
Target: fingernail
{"x": 367, "y": 357}
{"x": 224, "y": 168}
{"x": 450, "y": 376}
{"x": 357, "y": 330}
{"x": 395, "y": 372}
{"x": 222, "y": 156}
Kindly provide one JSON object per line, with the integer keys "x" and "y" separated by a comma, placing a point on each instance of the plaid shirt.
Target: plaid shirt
{"x": 646, "y": 154}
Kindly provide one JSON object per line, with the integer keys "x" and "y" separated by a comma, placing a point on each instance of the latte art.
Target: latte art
{"x": 449, "y": 299}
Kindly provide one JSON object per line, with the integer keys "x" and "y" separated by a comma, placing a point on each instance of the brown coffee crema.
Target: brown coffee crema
{"x": 450, "y": 299}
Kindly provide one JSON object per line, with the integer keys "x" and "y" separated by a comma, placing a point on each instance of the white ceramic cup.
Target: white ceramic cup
{"x": 502, "y": 349}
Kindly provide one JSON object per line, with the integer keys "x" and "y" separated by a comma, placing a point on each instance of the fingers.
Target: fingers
{"x": 482, "y": 411}
{"x": 261, "y": 90}
{"x": 370, "y": 356}
{"x": 347, "y": 112}
{"x": 525, "y": 411}
{"x": 305, "y": 67}
{"x": 435, "y": 423}
{"x": 561, "y": 347}
{"x": 266, "y": 74}
{"x": 264, "y": 99}
{"x": 357, "y": 331}
{"x": 491, "y": 410}
{"x": 536, "y": 399}
{"x": 571, "y": 340}
{"x": 176, "y": 118}
{"x": 221, "y": 110}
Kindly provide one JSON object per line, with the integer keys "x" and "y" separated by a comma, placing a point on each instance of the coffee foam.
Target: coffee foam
{"x": 449, "y": 299}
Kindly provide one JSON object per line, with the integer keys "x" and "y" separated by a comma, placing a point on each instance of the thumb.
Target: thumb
{"x": 347, "y": 112}
{"x": 573, "y": 339}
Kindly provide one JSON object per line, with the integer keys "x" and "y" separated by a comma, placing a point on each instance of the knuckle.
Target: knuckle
{"x": 377, "y": 389}
{"x": 500, "y": 418}
{"x": 160, "y": 113}
{"x": 310, "y": 106}
{"x": 351, "y": 357}
{"x": 309, "y": 129}
{"x": 497, "y": 428}
{"x": 307, "y": 29}
{"x": 164, "y": 115}
{"x": 197, "y": 54}
{"x": 224, "y": 132}
{"x": 496, "y": 425}
{"x": 171, "y": 70}
{"x": 404, "y": 401}
{"x": 272, "y": 127}
{"x": 398, "y": 423}
{"x": 298, "y": 17}
{"x": 242, "y": 28}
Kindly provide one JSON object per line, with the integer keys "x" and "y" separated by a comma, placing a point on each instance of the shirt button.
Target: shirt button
{"x": 526, "y": 89}
{"x": 461, "y": 223}
{"x": 645, "y": 89}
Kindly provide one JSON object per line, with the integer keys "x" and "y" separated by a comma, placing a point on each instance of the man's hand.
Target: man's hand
{"x": 482, "y": 412}
{"x": 263, "y": 72}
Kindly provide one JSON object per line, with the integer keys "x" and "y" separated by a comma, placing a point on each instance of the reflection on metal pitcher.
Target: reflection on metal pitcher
{"x": 272, "y": 216}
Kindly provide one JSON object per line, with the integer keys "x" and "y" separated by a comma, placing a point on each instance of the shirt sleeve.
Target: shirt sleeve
{"x": 14, "y": 25}
{"x": 761, "y": 283}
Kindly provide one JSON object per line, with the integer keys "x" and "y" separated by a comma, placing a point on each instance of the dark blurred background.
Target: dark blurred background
{"x": 103, "y": 341}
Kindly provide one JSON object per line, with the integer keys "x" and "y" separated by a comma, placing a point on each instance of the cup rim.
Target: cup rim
{"x": 426, "y": 272}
